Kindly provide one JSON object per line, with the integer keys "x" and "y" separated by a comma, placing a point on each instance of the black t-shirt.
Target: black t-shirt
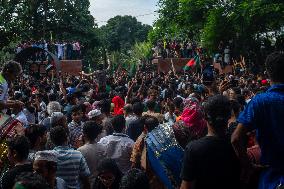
{"x": 135, "y": 129}
{"x": 8, "y": 180}
{"x": 210, "y": 162}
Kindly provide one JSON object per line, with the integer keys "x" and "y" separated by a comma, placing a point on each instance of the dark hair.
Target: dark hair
{"x": 12, "y": 67}
{"x": 58, "y": 135}
{"x": 91, "y": 130}
{"x": 108, "y": 165}
{"x": 33, "y": 132}
{"x": 76, "y": 108}
{"x": 70, "y": 98}
{"x": 171, "y": 106}
{"x": 118, "y": 123}
{"x": 151, "y": 105}
{"x": 235, "y": 106}
{"x": 151, "y": 123}
{"x": 241, "y": 100}
{"x": 178, "y": 102}
{"x": 275, "y": 66}
{"x": 21, "y": 145}
{"x": 135, "y": 179}
{"x": 218, "y": 111}
{"x": 31, "y": 180}
{"x": 128, "y": 108}
{"x": 52, "y": 97}
{"x": 105, "y": 106}
{"x": 138, "y": 108}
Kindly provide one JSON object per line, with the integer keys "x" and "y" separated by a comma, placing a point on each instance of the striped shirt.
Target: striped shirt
{"x": 70, "y": 166}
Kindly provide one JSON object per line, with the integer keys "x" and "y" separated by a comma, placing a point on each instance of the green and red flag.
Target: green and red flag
{"x": 192, "y": 63}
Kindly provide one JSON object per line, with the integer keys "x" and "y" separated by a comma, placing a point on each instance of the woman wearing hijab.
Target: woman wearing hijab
{"x": 191, "y": 124}
{"x": 118, "y": 105}
{"x": 109, "y": 175}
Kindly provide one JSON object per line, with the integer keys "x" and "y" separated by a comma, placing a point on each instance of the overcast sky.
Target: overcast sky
{"x": 103, "y": 10}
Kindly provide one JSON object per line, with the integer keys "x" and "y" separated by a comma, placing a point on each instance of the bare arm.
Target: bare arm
{"x": 131, "y": 85}
{"x": 11, "y": 104}
{"x": 63, "y": 90}
{"x": 238, "y": 142}
{"x": 173, "y": 68}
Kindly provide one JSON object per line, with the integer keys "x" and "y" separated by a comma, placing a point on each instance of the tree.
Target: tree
{"x": 37, "y": 19}
{"x": 50, "y": 20}
{"x": 247, "y": 23}
{"x": 122, "y": 32}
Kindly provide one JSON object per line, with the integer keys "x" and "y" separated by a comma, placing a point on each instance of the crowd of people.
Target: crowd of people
{"x": 175, "y": 49}
{"x": 64, "y": 50}
{"x": 152, "y": 131}
{"x": 190, "y": 49}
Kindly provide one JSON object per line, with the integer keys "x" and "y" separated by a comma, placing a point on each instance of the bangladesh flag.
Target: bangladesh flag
{"x": 192, "y": 63}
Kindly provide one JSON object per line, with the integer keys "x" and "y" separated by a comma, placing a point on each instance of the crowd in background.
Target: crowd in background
{"x": 189, "y": 49}
{"x": 108, "y": 131}
{"x": 64, "y": 50}
{"x": 175, "y": 49}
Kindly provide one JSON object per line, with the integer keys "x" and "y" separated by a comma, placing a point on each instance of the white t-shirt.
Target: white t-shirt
{"x": 118, "y": 146}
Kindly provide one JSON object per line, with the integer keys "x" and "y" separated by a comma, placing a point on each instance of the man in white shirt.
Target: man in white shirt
{"x": 10, "y": 72}
{"x": 60, "y": 50}
{"x": 118, "y": 146}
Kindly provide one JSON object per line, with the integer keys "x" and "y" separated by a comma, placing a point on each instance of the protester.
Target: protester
{"x": 138, "y": 156}
{"x": 134, "y": 179}
{"x": 29, "y": 180}
{"x": 109, "y": 175}
{"x": 75, "y": 126}
{"x": 52, "y": 108}
{"x": 128, "y": 114}
{"x": 91, "y": 150}
{"x": 213, "y": 152}
{"x": 151, "y": 104}
{"x": 11, "y": 70}
{"x": 18, "y": 151}
{"x": 136, "y": 125}
{"x": 118, "y": 146}
{"x": 63, "y": 49}
{"x": 105, "y": 107}
{"x": 71, "y": 164}
{"x": 96, "y": 115}
{"x": 37, "y": 138}
{"x": 45, "y": 164}
{"x": 264, "y": 113}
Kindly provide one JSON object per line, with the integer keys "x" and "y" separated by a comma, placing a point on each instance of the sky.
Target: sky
{"x": 103, "y": 10}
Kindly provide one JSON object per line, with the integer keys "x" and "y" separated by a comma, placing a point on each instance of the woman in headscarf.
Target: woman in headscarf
{"x": 166, "y": 144}
{"x": 109, "y": 175}
{"x": 118, "y": 105}
{"x": 191, "y": 124}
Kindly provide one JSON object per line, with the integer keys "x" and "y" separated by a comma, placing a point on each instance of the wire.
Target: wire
{"x": 141, "y": 15}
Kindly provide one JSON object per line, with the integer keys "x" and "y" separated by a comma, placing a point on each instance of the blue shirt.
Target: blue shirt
{"x": 265, "y": 113}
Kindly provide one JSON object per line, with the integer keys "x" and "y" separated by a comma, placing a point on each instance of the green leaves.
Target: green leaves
{"x": 35, "y": 19}
{"x": 211, "y": 21}
{"x": 122, "y": 32}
